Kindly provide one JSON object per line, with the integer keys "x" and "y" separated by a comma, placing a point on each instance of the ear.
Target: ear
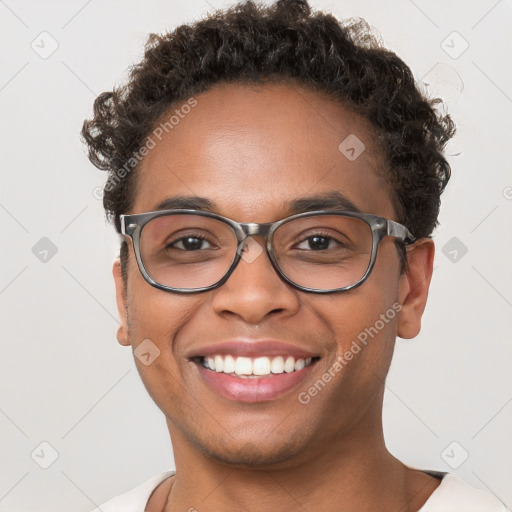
{"x": 122, "y": 332}
{"x": 413, "y": 287}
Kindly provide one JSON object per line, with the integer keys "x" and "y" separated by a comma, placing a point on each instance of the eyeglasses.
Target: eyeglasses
{"x": 189, "y": 251}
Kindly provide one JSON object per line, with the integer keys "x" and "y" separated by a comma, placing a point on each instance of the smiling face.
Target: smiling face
{"x": 251, "y": 151}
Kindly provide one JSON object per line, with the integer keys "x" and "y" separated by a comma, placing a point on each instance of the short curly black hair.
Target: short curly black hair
{"x": 287, "y": 41}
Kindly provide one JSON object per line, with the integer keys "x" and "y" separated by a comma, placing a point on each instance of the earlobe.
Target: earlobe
{"x": 413, "y": 288}
{"x": 121, "y": 299}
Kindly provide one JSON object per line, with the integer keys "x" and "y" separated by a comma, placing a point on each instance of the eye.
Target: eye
{"x": 191, "y": 243}
{"x": 318, "y": 243}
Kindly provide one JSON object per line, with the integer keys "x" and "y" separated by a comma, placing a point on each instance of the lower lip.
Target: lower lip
{"x": 258, "y": 389}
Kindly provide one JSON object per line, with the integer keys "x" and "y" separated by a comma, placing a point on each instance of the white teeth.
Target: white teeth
{"x": 218, "y": 363}
{"x": 299, "y": 364}
{"x": 243, "y": 366}
{"x": 229, "y": 364}
{"x": 277, "y": 365}
{"x": 259, "y": 366}
{"x": 289, "y": 364}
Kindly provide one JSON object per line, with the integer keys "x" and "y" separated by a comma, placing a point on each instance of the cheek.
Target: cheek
{"x": 363, "y": 320}
{"x": 360, "y": 355}
{"x": 159, "y": 317}
{"x": 160, "y": 314}
{"x": 359, "y": 318}
{"x": 157, "y": 314}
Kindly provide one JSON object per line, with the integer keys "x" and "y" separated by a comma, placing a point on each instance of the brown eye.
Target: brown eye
{"x": 318, "y": 243}
{"x": 190, "y": 243}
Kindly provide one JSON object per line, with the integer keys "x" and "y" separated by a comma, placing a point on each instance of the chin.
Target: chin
{"x": 260, "y": 453}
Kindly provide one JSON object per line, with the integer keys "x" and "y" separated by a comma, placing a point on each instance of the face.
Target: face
{"x": 250, "y": 151}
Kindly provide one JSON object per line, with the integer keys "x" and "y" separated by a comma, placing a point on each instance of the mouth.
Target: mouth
{"x": 247, "y": 367}
{"x": 253, "y": 379}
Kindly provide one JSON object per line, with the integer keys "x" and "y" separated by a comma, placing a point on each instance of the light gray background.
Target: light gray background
{"x": 64, "y": 378}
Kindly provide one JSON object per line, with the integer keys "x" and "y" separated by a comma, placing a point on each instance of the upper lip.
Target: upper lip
{"x": 251, "y": 348}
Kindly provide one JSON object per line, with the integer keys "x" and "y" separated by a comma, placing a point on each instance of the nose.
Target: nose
{"x": 254, "y": 291}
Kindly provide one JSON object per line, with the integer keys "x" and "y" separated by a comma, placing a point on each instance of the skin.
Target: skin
{"x": 249, "y": 149}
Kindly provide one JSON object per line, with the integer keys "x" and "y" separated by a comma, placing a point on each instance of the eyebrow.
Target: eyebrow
{"x": 334, "y": 200}
{"x": 328, "y": 201}
{"x": 186, "y": 203}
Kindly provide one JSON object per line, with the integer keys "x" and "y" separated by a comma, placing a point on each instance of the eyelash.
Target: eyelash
{"x": 169, "y": 245}
{"x": 323, "y": 234}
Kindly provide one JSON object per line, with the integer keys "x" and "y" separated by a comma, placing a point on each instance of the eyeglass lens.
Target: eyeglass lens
{"x": 320, "y": 252}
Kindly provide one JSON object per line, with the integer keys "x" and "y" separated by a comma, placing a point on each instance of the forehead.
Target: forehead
{"x": 252, "y": 149}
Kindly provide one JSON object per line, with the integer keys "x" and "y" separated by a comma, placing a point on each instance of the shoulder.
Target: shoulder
{"x": 454, "y": 495}
{"x": 137, "y": 498}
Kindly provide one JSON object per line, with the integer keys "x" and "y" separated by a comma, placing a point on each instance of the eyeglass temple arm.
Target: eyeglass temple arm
{"x": 397, "y": 230}
{"x": 120, "y": 224}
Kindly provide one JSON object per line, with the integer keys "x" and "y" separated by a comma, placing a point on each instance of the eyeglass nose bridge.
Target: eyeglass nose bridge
{"x": 255, "y": 229}
{"x": 245, "y": 230}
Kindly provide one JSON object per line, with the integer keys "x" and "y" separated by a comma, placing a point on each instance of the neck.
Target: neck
{"x": 356, "y": 472}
